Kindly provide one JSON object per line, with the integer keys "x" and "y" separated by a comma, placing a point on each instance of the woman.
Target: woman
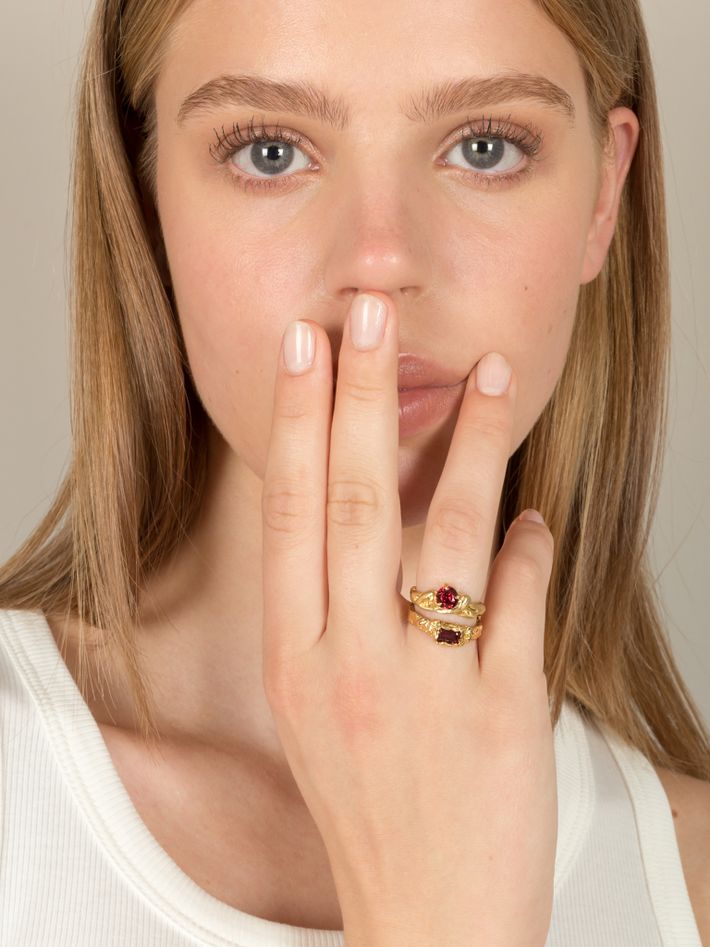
{"x": 224, "y": 722}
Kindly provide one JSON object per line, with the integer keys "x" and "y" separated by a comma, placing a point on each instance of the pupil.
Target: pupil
{"x": 272, "y": 158}
{"x": 484, "y": 153}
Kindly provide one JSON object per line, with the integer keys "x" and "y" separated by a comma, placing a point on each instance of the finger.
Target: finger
{"x": 462, "y": 517}
{"x": 293, "y": 500}
{"x": 364, "y": 524}
{"x": 514, "y": 639}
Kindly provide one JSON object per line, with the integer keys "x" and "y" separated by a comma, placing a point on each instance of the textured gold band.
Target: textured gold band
{"x": 446, "y": 600}
{"x": 445, "y": 633}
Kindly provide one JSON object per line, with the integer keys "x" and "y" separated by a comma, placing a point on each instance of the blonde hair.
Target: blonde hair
{"x": 591, "y": 463}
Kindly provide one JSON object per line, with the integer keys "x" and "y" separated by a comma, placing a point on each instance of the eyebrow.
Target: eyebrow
{"x": 432, "y": 103}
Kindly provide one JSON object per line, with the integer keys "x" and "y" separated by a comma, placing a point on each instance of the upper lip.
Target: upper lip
{"x": 418, "y": 372}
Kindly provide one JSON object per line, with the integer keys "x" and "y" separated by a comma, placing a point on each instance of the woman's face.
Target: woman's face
{"x": 378, "y": 193}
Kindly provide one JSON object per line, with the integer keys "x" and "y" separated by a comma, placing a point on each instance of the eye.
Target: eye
{"x": 493, "y": 151}
{"x": 488, "y": 154}
{"x": 259, "y": 155}
{"x": 269, "y": 157}
{"x": 264, "y": 158}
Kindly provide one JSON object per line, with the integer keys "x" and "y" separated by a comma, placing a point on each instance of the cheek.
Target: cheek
{"x": 548, "y": 302}
{"x": 232, "y": 316}
{"x": 522, "y": 277}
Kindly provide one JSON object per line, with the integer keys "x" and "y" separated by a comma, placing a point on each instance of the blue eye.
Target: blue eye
{"x": 269, "y": 156}
{"x": 489, "y": 154}
{"x": 262, "y": 158}
{"x": 258, "y": 155}
{"x": 491, "y": 151}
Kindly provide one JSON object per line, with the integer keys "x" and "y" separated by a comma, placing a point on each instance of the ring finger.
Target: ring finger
{"x": 462, "y": 517}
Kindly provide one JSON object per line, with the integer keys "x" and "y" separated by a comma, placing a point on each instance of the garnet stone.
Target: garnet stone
{"x": 448, "y": 635}
{"x": 447, "y": 596}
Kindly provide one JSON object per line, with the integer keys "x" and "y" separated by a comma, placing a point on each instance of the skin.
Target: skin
{"x": 470, "y": 269}
{"x": 374, "y": 727}
{"x": 245, "y": 263}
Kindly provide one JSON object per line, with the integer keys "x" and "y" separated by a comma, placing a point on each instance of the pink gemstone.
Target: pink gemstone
{"x": 447, "y": 596}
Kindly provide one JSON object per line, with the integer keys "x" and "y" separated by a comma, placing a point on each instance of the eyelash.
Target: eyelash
{"x": 526, "y": 137}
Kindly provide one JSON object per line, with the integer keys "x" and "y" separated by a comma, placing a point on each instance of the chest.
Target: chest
{"x": 229, "y": 825}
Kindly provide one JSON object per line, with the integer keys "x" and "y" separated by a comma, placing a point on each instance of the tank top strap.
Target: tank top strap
{"x": 658, "y": 843}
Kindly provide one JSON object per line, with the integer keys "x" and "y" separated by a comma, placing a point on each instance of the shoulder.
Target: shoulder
{"x": 689, "y": 800}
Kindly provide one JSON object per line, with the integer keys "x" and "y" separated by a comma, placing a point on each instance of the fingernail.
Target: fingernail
{"x": 299, "y": 347}
{"x": 368, "y": 315}
{"x": 493, "y": 374}
{"x": 532, "y": 515}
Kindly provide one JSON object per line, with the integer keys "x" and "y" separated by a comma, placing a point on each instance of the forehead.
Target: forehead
{"x": 368, "y": 53}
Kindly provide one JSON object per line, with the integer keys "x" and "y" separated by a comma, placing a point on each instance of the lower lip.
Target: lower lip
{"x": 422, "y": 408}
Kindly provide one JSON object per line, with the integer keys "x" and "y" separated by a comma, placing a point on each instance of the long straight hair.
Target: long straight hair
{"x": 591, "y": 464}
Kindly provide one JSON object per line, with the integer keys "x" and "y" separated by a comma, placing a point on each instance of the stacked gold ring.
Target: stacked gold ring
{"x": 446, "y": 600}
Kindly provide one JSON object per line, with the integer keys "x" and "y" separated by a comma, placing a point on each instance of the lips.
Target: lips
{"x": 424, "y": 407}
{"x": 414, "y": 371}
{"x": 417, "y": 372}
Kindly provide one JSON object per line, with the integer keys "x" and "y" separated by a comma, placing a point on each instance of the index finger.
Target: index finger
{"x": 295, "y": 588}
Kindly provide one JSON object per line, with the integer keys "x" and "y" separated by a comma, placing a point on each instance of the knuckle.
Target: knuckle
{"x": 359, "y": 389}
{"x": 528, "y": 568}
{"x": 286, "y": 508}
{"x": 493, "y": 427}
{"x": 354, "y": 502}
{"x": 455, "y": 524}
{"x": 293, "y": 408}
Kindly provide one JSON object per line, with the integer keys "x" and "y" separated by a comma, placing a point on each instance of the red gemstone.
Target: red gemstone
{"x": 448, "y": 635}
{"x": 447, "y": 596}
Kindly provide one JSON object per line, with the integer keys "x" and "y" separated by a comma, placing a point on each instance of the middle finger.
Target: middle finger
{"x": 363, "y": 511}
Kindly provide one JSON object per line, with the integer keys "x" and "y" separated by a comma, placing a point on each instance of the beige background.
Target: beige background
{"x": 39, "y": 45}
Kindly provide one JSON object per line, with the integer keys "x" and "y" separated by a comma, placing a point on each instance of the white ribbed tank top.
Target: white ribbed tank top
{"x": 79, "y": 867}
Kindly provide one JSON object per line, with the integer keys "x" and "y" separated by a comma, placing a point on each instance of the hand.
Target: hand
{"x": 428, "y": 770}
